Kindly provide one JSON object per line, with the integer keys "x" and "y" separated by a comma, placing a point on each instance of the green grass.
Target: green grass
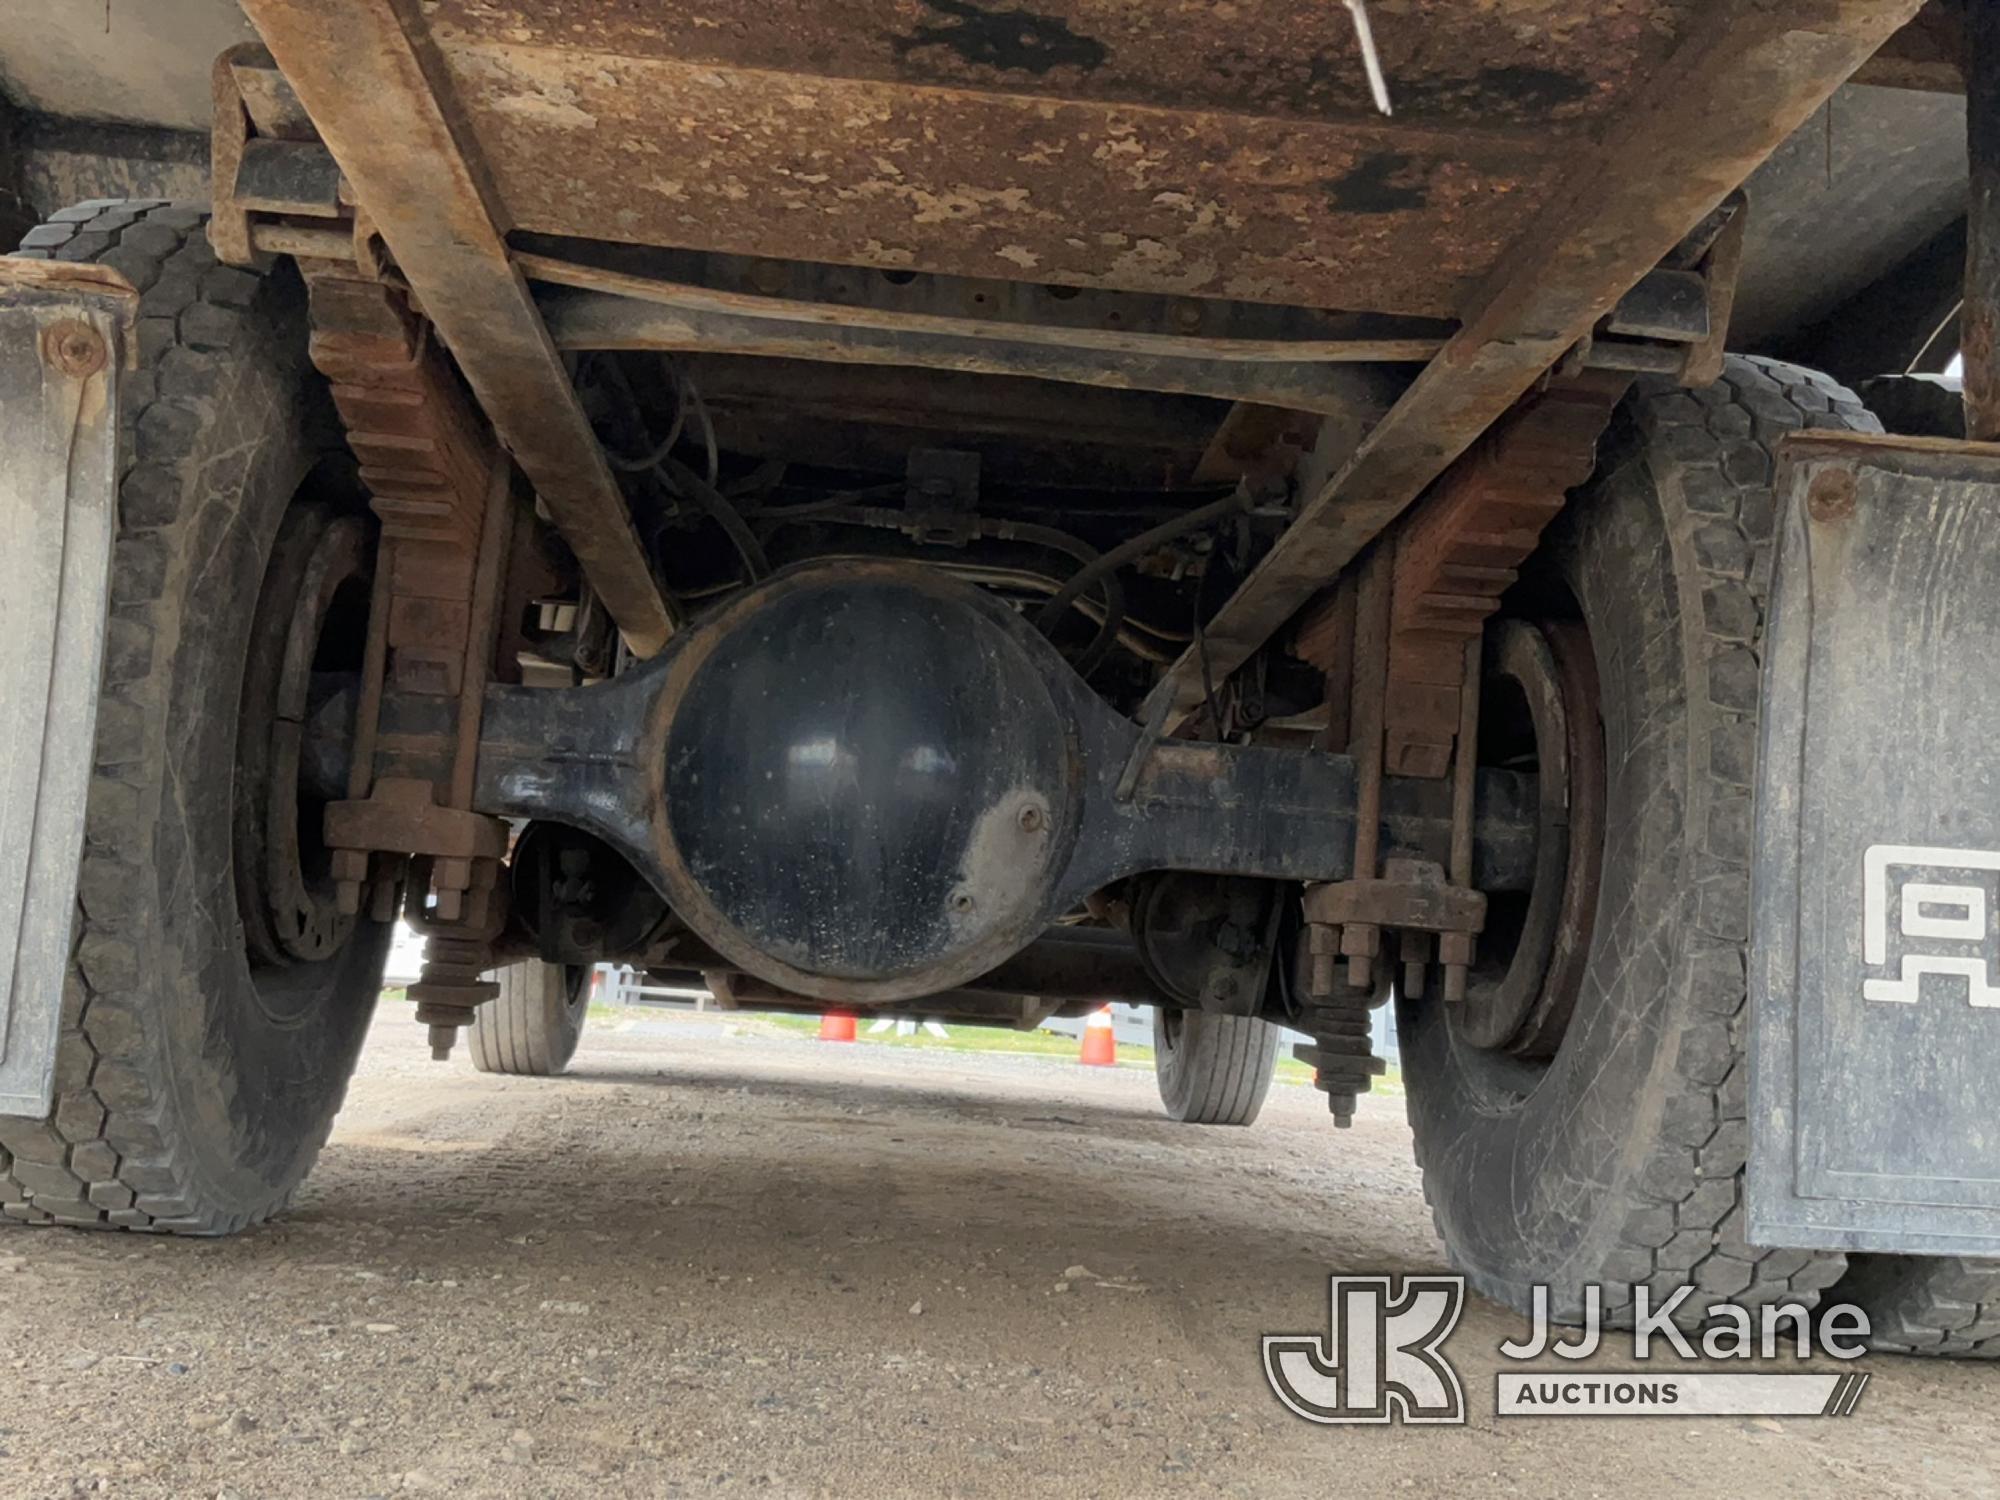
{"x": 968, "y": 1038}
{"x": 963, "y": 1038}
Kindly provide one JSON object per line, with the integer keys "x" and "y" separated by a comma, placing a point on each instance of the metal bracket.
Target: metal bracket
{"x": 1413, "y": 894}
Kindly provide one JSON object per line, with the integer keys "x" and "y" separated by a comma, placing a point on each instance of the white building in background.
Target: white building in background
{"x": 406, "y": 957}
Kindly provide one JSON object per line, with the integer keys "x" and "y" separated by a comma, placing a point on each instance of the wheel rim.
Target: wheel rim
{"x": 305, "y": 629}
{"x": 1532, "y": 960}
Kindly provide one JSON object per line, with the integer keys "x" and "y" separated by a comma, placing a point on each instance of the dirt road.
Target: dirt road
{"x": 712, "y": 1264}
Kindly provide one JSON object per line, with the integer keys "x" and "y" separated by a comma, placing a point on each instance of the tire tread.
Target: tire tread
{"x": 109, "y": 1158}
{"x": 527, "y": 1030}
{"x": 1220, "y": 1070}
{"x": 1712, "y": 455}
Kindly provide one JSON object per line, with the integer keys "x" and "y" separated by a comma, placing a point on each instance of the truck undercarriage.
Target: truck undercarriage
{"x": 967, "y": 510}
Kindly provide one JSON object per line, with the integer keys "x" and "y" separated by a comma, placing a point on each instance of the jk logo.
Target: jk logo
{"x": 1380, "y": 1360}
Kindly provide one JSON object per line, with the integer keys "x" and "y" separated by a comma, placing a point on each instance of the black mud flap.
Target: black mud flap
{"x": 1875, "y": 970}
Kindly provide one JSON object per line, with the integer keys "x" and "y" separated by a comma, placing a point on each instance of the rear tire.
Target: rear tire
{"x": 532, "y": 1027}
{"x": 1944, "y": 1306}
{"x": 1617, "y": 1159}
{"x": 194, "y": 1086}
{"x": 1212, "y": 1069}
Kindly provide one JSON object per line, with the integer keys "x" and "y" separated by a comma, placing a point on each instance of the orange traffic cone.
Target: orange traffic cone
{"x": 1100, "y": 1043}
{"x": 836, "y": 1026}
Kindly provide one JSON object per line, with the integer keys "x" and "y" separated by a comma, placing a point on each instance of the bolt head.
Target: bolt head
{"x": 74, "y": 347}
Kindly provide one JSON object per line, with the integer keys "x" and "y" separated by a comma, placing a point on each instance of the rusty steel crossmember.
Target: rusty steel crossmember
{"x": 1739, "y": 84}
{"x": 368, "y": 75}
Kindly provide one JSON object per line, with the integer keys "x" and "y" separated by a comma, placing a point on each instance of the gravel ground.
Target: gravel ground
{"x": 711, "y": 1263}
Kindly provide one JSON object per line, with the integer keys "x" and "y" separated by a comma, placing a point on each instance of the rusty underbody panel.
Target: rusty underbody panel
{"x": 1197, "y": 201}
{"x": 1212, "y": 150}
{"x": 1207, "y": 150}
{"x": 1541, "y": 160}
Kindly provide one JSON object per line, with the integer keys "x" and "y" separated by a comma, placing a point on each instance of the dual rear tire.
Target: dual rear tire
{"x": 1617, "y": 1159}
{"x": 217, "y": 1002}
{"x": 1613, "y": 1154}
{"x": 205, "y": 1047}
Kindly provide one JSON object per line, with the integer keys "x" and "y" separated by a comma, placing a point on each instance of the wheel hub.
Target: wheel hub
{"x": 318, "y": 573}
{"x": 1524, "y": 1007}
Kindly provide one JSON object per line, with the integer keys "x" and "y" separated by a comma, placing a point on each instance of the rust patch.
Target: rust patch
{"x": 1452, "y": 63}
{"x": 426, "y": 460}
{"x": 1388, "y": 183}
{"x": 1832, "y": 495}
{"x": 371, "y": 80}
{"x": 1198, "y": 147}
{"x": 997, "y": 185}
{"x": 1673, "y": 154}
{"x": 1009, "y": 41}
{"x": 74, "y": 347}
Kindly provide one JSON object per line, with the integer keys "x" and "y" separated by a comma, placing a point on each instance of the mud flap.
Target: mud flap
{"x": 1875, "y": 970}
{"x": 63, "y": 336}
